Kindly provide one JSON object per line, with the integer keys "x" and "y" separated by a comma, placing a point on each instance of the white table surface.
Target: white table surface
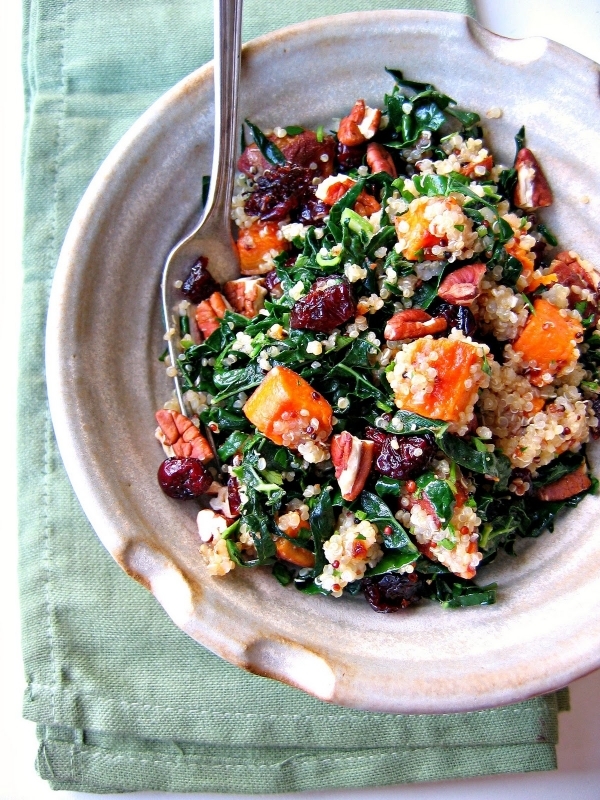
{"x": 578, "y": 775}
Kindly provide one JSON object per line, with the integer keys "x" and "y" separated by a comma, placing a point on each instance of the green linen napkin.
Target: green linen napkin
{"x": 123, "y": 700}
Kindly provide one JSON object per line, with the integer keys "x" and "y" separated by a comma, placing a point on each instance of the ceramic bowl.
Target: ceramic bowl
{"x": 105, "y": 382}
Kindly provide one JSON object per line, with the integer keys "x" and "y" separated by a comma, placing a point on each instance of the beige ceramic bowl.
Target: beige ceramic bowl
{"x": 545, "y": 629}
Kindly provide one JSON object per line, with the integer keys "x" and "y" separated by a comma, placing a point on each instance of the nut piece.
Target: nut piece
{"x": 352, "y": 459}
{"x": 461, "y": 287}
{"x": 380, "y": 160}
{"x": 246, "y": 295}
{"x": 412, "y": 323}
{"x": 209, "y": 313}
{"x": 334, "y": 188}
{"x": 532, "y": 190}
{"x": 572, "y": 270}
{"x": 362, "y": 123}
{"x": 180, "y": 437}
{"x": 567, "y": 486}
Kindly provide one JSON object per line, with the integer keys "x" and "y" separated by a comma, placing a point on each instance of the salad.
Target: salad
{"x": 403, "y": 381}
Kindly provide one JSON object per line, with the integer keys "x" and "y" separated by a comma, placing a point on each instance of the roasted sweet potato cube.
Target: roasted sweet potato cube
{"x": 548, "y": 341}
{"x": 288, "y": 551}
{"x": 285, "y": 397}
{"x": 256, "y": 242}
{"x": 438, "y": 378}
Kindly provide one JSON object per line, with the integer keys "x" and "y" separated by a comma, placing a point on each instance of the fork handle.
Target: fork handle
{"x": 228, "y": 46}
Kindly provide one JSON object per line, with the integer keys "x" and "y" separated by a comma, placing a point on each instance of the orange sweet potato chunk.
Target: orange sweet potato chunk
{"x": 254, "y": 243}
{"x": 282, "y": 390}
{"x": 547, "y": 342}
{"x": 288, "y": 551}
{"x": 449, "y": 398}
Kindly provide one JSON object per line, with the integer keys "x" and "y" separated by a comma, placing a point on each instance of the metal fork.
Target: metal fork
{"x": 212, "y": 235}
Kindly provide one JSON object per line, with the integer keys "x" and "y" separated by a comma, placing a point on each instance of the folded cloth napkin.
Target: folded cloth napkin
{"x": 124, "y": 700}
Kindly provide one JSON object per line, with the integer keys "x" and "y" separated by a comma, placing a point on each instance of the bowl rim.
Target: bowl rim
{"x": 57, "y": 379}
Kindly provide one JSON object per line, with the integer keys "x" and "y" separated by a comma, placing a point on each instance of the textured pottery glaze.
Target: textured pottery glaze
{"x": 105, "y": 382}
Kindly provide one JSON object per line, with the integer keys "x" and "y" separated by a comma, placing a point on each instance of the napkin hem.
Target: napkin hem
{"x": 83, "y": 768}
{"x": 328, "y": 726}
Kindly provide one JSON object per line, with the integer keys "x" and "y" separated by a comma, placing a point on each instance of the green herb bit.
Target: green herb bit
{"x": 520, "y": 140}
{"x": 184, "y": 325}
{"x": 527, "y": 302}
{"x": 355, "y": 222}
{"x": 164, "y": 354}
{"x": 328, "y": 261}
{"x": 282, "y": 573}
{"x": 294, "y": 130}
{"x": 268, "y": 148}
{"x": 448, "y": 544}
{"x": 548, "y": 235}
{"x": 320, "y": 133}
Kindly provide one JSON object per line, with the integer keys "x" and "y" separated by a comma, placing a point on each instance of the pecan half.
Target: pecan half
{"x": 461, "y": 287}
{"x": 567, "y": 486}
{"x": 334, "y": 188}
{"x": 362, "y": 123}
{"x": 209, "y": 313}
{"x": 532, "y": 190}
{"x": 412, "y": 323}
{"x": 180, "y": 437}
{"x": 380, "y": 160}
{"x": 246, "y": 295}
{"x": 366, "y": 204}
{"x": 352, "y": 458}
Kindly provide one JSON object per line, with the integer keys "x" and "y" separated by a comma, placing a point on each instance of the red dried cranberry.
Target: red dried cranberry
{"x": 233, "y": 495}
{"x": 199, "y": 284}
{"x": 312, "y": 211}
{"x": 460, "y": 317}
{"x": 328, "y": 305}
{"x": 392, "y": 591}
{"x": 183, "y": 478}
{"x": 350, "y": 157}
{"x": 539, "y": 250}
{"x": 596, "y": 410}
{"x": 272, "y": 283}
{"x": 280, "y": 191}
{"x": 401, "y": 457}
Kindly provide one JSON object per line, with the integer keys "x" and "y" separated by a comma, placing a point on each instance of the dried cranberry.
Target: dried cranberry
{"x": 233, "y": 495}
{"x": 460, "y": 317}
{"x": 350, "y": 157}
{"x": 596, "y": 410}
{"x": 312, "y": 211}
{"x": 280, "y": 191}
{"x": 272, "y": 283}
{"x": 199, "y": 284}
{"x": 539, "y": 250}
{"x": 328, "y": 305}
{"x": 401, "y": 457}
{"x": 392, "y": 591}
{"x": 183, "y": 478}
